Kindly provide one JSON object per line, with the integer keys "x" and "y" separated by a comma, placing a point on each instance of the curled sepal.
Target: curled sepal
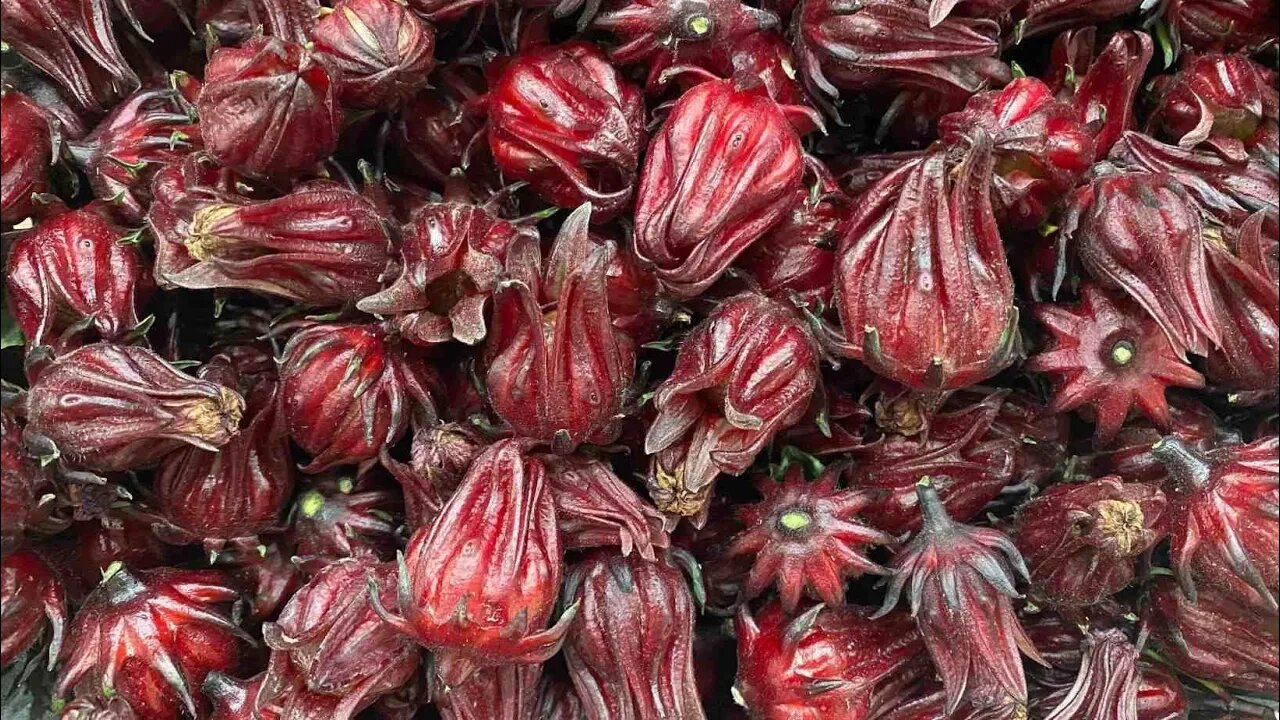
{"x": 1108, "y": 682}
{"x": 594, "y": 508}
{"x": 962, "y": 583}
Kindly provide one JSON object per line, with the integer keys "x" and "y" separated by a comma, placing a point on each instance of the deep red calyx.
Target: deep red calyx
{"x": 1243, "y": 278}
{"x": 595, "y": 508}
{"x": 348, "y": 390}
{"x": 1108, "y": 682}
{"x": 329, "y": 640}
{"x": 478, "y": 589}
{"x": 1223, "y": 524}
{"x": 1103, "y": 91}
{"x": 826, "y": 663}
{"x": 31, "y": 599}
{"x": 923, "y": 288}
{"x": 433, "y": 129}
{"x": 438, "y": 459}
{"x": 112, "y": 407}
{"x": 321, "y": 244}
{"x": 630, "y": 648}
{"x": 1109, "y": 356}
{"x": 379, "y": 52}
{"x": 1141, "y": 234}
{"x": 268, "y": 108}
{"x": 1081, "y": 542}
{"x": 336, "y": 518}
{"x": 1040, "y": 147}
{"x": 73, "y": 42}
{"x": 806, "y": 535}
{"x": 146, "y": 131}
{"x": 150, "y": 638}
{"x": 969, "y": 458}
{"x": 25, "y": 498}
{"x": 239, "y": 491}
{"x": 452, "y": 256}
{"x": 1217, "y": 636}
{"x": 1221, "y": 100}
{"x": 962, "y": 585}
{"x": 796, "y": 257}
{"x": 668, "y": 33}
{"x": 27, "y": 140}
{"x": 729, "y": 394}
{"x": 1223, "y": 25}
{"x": 1041, "y": 17}
{"x": 559, "y": 370}
{"x": 74, "y": 276}
{"x": 564, "y": 120}
{"x": 893, "y": 43}
{"x": 724, "y": 167}
{"x": 504, "y": 692}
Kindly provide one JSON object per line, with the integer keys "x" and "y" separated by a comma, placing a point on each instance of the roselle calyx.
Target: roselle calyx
{"x": 321, "y": 244}
{"x": 329, "y": 640}
{"x": 349, "y": 389}
{"x": 630, "y": 647}
{"x": 439, "y": 457}
{"x": 562, "y": 119}
{"x": 150, "y": 637}
{"x": 558, "y": 372}
{"x": 1081, "y": 542}
{"x": 268, "y": 108}
{"x": 74, "y": 277}
{"x": 337, "y": 518}
{"x": 1140, "y": 234}
{"x": 483, "y": 607}
{"x": 31, "y": 599}
{"x": 922, "y": 285}
{"x": 1227, "y": 102}
{"x": 1108, "y": 682}
{"x": 726, "y": 398}
{"x": 723, "y": 168}
{"x": 112, "y": 407}
{"x": 73, "y": 42}
{"x": 1109, "y": 356}
{"x": 962, "y": 585}
{"x": 504, "y": 692}
{"x": 1040, "y": 147}
{"x": 826, "y": 662}
{"x": 240, "y": 490}
{"x": 28, "y": 136}
{"x": 595, "y": 508}
{"x": 1223, "y": 523}
{"x": 806, "y": 535}
{"x": 149, "y": 129}
{"x": 452, "y": 256}
{"x": 1243, "y": 279}
{"x": 379, "y": 52}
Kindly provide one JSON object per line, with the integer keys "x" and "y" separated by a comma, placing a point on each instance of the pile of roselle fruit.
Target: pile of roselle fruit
{"x": 640, "y": 359}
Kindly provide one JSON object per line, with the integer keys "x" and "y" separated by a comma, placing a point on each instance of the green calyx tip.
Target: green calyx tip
{"x": 311, "y": 503}
{"x": 794, "y": 520}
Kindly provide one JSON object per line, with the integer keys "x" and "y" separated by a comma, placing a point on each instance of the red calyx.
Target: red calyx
{"x": 31, "y": 599}
{"x": 27, "y": 138}
{"x": 379, "y": 52}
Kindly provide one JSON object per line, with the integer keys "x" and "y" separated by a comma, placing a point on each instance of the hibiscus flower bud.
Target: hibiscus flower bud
{"x": 239, "y": 491}
{"x": 73, "y": 276}
{"x": 1248, "y": 300}
{"x": 1107, "y": 684}
{"x": 150, "y": 637}
{"x": 73, "y": 42}
{"x": 1218, "y": 636}
{"x": 923, "y": 288}
{"x": 146, "y": 131}
{"x": 1041, "y": 17}
{"x": 348, "y": 390}
{"x": 379, "y": 52}
{"x": 630, "y": 649}
{"x": 826, "y": 662}
{"x": 329, "y": 640}
{"x": 432, "y": 131}
{"x": 594, "y": 508}
{"x": 504, "y": 692}
{"x": 1081, "y": 542}
{"x": 268, "y": 108}
{"x": 558, "y": 373}
{"x": 1139, "y": 233}
{"x": 562, "y": 119}
{"x": 1223, "y": 25}
{"x": 451, "y": 259}
{"x": 111, "y": 408}
{"x": 321, "y": 244}
{"x": 962, "y": 584}
{"x": 1040, "y": 147}
{"x": 477, "y": 589}
{"x": 26, "y": 152}
{"x": 726, "y": 398}
{"x": 31, "y": 599}
{"x": 438, "y": 459}
{"x": 1221, "y": 100}
{"x": 1104, "y": 93}
{"x": 894, "y": 43}
{"x": 725, "y": 166}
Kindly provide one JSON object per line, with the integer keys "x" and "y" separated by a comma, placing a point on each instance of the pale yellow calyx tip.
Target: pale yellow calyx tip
{"x": 1122, "y": 522}
{"x": 202, "y": 242}
{"x": 311, "y": 503}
